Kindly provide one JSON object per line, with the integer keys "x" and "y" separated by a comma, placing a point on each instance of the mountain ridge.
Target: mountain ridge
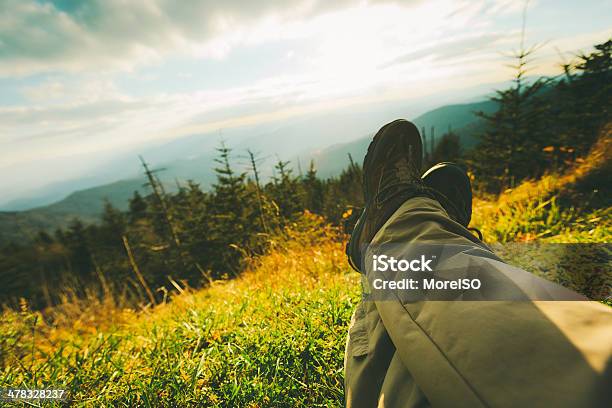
{"x": 457, "y": 117}
{"x": 87, "y": 204}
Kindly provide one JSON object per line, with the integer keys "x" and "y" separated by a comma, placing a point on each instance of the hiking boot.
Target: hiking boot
{"x": 453, "y": 183}
{"x": 391, "y": 170}
{"x": 449, "y": 180}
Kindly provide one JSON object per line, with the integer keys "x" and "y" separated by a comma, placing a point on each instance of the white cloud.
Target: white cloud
{"x": 82, "y": 90}
{"x": 114, "y": 34}
{"x": 363, "y": 52}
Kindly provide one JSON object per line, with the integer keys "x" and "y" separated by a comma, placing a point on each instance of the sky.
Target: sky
{"x": 81, "y": 81}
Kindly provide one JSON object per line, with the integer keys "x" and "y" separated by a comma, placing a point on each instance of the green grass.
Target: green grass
{"x": 555, "y": 208}
{"x": 274, "y": 337}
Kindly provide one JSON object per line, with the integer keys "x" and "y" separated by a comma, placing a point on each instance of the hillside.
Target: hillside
{"x": 460, "y": 118}
{"x": 574, "y": 206}
{"x": 275, "y": 335}
{"x": 86, "y": 205}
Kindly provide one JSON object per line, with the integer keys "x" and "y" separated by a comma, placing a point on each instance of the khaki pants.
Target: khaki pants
{"x": 474, "y": 353}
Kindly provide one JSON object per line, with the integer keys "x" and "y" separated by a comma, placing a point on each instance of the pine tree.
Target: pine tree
{"x": 113, "y": 226}
{"x": 285, "y": 191}
{"x": 261, "y": 201}
{"x": 514, "y": 133}
{"x": 447, "y": 149}
{"x": 343, "y": 192}
{"x": 137, "y": 208}
{"x": 162, "y": 216}
{"x": 76, "y": 240}
{"x": 314, "y": 193}
{"x": 232, "y": 213}
{"x": 583, "y": 102}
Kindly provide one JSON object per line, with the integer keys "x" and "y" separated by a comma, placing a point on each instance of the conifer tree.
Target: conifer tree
{"x": 514, "y": 133}
{"x": 343, "y": 191}
{"x": 313, "y": 190}
{"x": 259, "y": 195}
{"x": 137, "y": 207}
{"x": 232, "y": 213}
{"x": 583, "y": 101}
{"x": 447, "y": 149}
{"x": 76, "y": 241}
{"x": 285, "y": 191}
{"x": 113, "y": 226}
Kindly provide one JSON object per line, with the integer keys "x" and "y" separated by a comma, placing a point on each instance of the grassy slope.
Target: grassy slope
{"x": 274, "y": 336}
{"x": 572, "y": 207}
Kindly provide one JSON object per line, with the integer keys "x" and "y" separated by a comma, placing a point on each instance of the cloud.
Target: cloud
{"x": 84, "y": 112}
{"x": 43, "y": 36}
{"x": 63, "y": 114}
{"x": 82, "y": 90}
{"x": 88, "y": 116}
{"x": 449, "y": 49}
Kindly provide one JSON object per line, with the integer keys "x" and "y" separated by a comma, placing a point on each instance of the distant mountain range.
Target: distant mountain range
{"x": 86, "y": 205}
{"x": 310, "y": 137}
{"x": 458, "y": 118}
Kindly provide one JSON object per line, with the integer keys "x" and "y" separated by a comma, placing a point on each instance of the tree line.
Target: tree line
{"x": 189, "y": 237}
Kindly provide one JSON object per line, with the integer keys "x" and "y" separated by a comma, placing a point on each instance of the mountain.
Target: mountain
{"x": 87, "y": 205}
{"x": 460, "y": 118}
{"x": 300, "y": 141}
{"x": 121, "y": 166}
{"x": 54, "y": 177}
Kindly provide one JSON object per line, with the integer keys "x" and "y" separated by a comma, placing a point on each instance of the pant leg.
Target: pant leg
{"x": 490, "y": 353}
{"x": 375, "y": 376}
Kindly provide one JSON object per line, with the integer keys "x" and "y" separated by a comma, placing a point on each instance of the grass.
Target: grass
{"x": 274, "y": 336}
{"x": 562, "y": 208}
